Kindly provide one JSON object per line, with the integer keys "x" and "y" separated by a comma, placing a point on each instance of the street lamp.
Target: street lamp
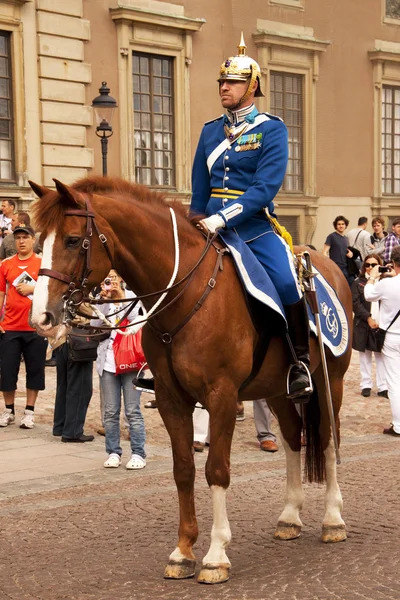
{"x": 104, "y": 106}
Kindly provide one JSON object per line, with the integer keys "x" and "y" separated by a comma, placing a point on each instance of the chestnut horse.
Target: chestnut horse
{"x": 211, "y": 355}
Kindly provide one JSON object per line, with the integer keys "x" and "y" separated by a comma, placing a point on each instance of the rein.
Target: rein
{"x": 75, "y": 295}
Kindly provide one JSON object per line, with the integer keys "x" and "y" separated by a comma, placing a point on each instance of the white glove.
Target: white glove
{"x": 213, "y": 223}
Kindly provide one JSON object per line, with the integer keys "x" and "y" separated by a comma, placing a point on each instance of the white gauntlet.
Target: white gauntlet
{"x": 213, "y": 223}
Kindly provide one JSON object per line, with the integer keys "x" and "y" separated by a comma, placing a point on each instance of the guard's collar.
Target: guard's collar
{"x": 234, "y": 117}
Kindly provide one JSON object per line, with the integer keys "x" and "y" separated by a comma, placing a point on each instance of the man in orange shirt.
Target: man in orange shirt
{"x": 18, "y": 276}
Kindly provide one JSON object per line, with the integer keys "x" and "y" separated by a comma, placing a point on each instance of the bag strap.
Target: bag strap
{"x": 355, "y": 241}
{"x": 393, "y": 320}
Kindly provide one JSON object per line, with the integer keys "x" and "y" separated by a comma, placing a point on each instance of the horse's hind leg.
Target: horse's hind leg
{"x": 289, "y": 523}
{"x": 222, "y": 408}
{"x": 177, "y": 417}
{"x": 333, "y": 526}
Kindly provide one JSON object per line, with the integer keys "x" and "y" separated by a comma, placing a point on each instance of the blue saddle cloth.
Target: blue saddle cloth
{"x": 256, "y": 281}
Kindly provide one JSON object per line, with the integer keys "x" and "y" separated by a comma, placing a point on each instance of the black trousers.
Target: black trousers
{"x": 74, "y": 391}
{"x": 13, "y": 345}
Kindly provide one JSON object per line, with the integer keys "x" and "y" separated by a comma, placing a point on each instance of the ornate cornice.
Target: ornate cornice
{"x": 134, "y": 14}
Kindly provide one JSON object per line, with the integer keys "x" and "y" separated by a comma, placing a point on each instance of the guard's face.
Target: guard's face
{"x": 231, "y": 92}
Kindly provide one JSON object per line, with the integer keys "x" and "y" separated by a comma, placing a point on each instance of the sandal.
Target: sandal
{"x": 136, "y": 462}
{"x": 113, "y": 461}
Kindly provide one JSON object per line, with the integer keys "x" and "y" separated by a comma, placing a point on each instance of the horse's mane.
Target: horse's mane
{"x": 49, "y": 212}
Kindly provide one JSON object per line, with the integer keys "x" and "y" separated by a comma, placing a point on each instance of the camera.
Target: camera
{"x": 3, "y": 229}
{"x": 107, "y": 284}
{"x": 383, "y": 269}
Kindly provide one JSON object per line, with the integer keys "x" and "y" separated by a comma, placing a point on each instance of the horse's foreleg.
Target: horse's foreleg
{"x": 222, "y": 408}
{"x": 177, "y": 417}
{"x": 289, "y": 523}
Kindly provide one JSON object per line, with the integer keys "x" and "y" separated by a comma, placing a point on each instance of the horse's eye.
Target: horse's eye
{"x": 72, "y": 242}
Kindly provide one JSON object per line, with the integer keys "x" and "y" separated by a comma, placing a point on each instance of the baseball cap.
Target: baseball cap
{"x": 25, "y": 229}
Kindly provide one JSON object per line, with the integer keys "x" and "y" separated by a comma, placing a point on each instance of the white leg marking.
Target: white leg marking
{"x": 220, "y": 532}
{"x": 333, "y": 497}
{"x": 41, "y": 294}
{"x": 177, "y": 555}
{"x": 294, "y": 496}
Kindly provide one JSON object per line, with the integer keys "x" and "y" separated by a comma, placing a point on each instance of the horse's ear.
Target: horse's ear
{"x": 68, "y": 194}
{"x": 39, "y": 190}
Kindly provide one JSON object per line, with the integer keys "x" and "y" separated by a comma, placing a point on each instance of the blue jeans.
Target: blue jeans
{"x": 112, "y": 385}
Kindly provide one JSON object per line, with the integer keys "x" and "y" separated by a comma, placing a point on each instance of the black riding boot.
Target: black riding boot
{"x": 299, "y": 385}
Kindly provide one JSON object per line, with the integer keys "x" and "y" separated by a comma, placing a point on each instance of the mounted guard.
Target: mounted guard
{"x": 238, "y": 169}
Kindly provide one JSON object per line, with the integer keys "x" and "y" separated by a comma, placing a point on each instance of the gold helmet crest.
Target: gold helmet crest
{"x": 241, "y": 68}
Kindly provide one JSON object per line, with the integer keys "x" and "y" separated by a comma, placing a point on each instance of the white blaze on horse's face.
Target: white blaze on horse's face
{"x": 41, "y": 295}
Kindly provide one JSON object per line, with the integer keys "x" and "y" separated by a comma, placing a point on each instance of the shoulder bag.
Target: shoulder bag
{"x": 376, "y": 337}
{"x": 83, "y": 347}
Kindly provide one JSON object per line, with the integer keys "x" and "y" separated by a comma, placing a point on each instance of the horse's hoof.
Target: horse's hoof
{"x": 180, "y": 570}
{"x": 287, "y": 531}
{"x": 333, "y": 533}
{"x": 214, "y": 574}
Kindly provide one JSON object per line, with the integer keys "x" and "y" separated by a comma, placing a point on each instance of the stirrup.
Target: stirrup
{"x": 306, "y": 391}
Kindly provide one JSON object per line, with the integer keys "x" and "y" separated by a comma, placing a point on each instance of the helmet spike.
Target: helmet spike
{"x": 242, "y": 46}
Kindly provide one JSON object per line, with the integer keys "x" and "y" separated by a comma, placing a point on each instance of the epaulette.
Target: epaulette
{"x": 214, "y": 120}
{"x": 273, "y": 117}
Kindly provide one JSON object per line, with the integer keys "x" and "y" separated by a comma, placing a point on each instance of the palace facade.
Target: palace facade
{"x": 330, "y": 69}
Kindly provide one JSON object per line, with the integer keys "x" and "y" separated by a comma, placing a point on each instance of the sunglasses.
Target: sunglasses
{"x": 367, "y": 265}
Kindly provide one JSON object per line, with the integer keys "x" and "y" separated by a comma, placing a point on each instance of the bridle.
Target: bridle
{"x": 76, "y": 292}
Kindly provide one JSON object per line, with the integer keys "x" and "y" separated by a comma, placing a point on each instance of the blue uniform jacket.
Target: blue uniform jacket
{"x": 238, "y": 185}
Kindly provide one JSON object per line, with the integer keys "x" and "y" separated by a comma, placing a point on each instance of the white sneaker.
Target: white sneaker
{"x": 136, "y": 462}
{"x": 6, "y": 418}
{"x": 27, "y": 421}
{"x": 113, "y": 461}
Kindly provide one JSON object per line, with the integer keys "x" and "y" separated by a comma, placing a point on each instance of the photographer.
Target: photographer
{"x": 113, "y": 384}
{"x": 386, "y": 289}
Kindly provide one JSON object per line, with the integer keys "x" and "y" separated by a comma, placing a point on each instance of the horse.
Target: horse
{"x": 198, "y": 351}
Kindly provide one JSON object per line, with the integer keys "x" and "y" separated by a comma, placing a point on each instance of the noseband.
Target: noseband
{"x": 77, "y": 282}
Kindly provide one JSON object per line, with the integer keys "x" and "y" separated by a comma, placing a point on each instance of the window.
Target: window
{"x": 153, "y": 119}
{"x": 390, "y": 140}
{"x": 287, "y": 103}
{"x": 393, "y": 9}
{"x": 6, "y": 122}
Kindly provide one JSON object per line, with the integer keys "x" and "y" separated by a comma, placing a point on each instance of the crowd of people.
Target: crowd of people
{"x": 375, "y": 306}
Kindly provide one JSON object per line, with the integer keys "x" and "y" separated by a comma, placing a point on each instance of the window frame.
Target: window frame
{"x": 152, "y": 57}
{"x": 393, "y": 134}
{"x": 294, "y": 49}
{"x": 300, "y": 177}
{"x": 162, "y": 34}
{"x": 12, "y": 179}
{"x": 386, "y": 19}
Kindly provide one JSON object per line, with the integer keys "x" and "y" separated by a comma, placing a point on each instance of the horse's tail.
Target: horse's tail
{"x": 314, "y": 466}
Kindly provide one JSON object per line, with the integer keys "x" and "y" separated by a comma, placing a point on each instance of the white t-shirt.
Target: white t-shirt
{"x": 387, "y": 291}
{"x": 363, "y": 240}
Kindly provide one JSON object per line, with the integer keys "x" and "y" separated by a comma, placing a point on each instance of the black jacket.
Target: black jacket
{"x": 362, "y": 311}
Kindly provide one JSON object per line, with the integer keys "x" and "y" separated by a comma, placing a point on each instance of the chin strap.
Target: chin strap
{"x": 249, "y": 90}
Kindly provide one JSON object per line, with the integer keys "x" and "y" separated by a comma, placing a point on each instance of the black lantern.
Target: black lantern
{"x": 104, "y": 106}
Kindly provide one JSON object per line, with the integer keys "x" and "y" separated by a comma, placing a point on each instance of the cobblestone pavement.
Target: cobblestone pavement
{"x": 91, "y": 533}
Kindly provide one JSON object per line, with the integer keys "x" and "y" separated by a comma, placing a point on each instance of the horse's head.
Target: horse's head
{"x": 71, "y": 262}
